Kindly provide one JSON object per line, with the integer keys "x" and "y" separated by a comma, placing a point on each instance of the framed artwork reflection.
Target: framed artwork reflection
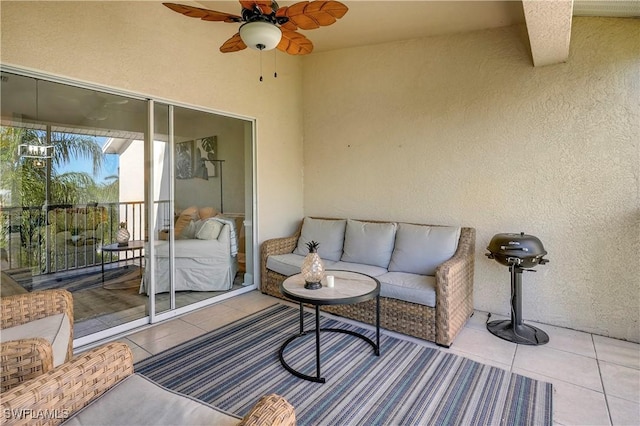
{"x": 206, "y": 150}
{"x": 184, "y": 159}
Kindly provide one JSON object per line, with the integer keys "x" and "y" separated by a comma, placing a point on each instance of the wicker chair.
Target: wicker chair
{"x": 65, "y": 390}
{"x": 28, "y": 358}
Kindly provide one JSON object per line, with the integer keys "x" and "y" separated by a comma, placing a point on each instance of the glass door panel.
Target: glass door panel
{"x": 72, "y": 182}
{"x": 209, "y": 182}
{"x": 161, "y": 259}
{"x": 119, "y": 198}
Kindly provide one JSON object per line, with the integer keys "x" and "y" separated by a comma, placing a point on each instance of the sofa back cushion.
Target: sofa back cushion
{"x": 420, "y": 249}
{"x": 327, "y": 232}
{"x": 369, "y": 243}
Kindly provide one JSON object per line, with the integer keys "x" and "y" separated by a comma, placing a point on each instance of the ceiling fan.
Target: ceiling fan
{"x": 267, "y": 26}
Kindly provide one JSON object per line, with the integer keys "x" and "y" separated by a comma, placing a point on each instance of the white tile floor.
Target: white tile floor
{"x": 596, "y": 379}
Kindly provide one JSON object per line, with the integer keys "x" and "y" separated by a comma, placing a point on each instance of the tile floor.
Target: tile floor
{"x": 596, "y": 379}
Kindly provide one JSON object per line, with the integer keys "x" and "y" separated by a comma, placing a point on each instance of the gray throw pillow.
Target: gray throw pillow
{"x": 420, "y": 249}
{"x": 328, "y": 233}
{"x": 369, "y": 243}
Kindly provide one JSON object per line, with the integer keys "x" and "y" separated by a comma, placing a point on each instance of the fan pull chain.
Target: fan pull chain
{"x": 260, "y": 65}
{"x": 275, "y": 63}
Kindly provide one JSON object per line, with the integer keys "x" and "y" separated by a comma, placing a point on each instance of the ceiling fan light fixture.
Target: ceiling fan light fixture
{"x": 260, "y": 35}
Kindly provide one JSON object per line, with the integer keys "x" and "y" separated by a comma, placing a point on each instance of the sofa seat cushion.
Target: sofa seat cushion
{"x": 328, "y": 233}
{"x": 372, "y": 271}
{"x": 290, "y": 263}
{"x": 56, "y": 329}
{"x": 420, "y": 249}
{"x": 413, "y": 288}
{"x": 369, "y": 243}
{"x": 137, "y": 400}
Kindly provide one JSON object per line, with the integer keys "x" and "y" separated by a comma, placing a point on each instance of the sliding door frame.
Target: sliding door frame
{"x": 152, "y": 317}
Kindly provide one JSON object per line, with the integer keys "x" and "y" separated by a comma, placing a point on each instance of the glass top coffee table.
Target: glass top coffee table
{"x": 349, "y": 287}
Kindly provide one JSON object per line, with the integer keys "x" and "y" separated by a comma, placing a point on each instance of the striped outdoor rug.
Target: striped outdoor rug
{"x": 409, "y": 384}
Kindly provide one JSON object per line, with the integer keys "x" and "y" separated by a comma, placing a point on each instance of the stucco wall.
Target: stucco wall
{"x": 462, "y": 130}
{"x": 146, "y": 48}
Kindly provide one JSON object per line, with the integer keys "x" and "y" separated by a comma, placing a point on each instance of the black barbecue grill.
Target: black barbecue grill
{"x": 519, "y": 252}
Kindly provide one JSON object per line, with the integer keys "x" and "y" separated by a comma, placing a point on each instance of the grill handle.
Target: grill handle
{"x": 514, "y": 248}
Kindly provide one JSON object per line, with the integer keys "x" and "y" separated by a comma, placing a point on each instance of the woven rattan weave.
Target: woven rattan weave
{"x": 25, "y": 359}
{"x": 454, "y": 294}
{"x": 61, "y": 392}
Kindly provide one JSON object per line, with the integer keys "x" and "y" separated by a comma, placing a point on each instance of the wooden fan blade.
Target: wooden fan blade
{"x": 204, "y": 14}
{"x": 310, "y": 15}
{"x": 295, "y": 43}
{"x": 234, "y": 44}
{"x": 297, "y": 16}
{"x": 281, "y": 13}
{"x": 264, "y": 5}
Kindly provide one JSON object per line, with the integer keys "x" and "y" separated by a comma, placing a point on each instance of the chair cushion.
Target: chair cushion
{"x": 369, "y": 243}
{"x": 420, "y": 249}
{"x": 290, "y": 263}
{"x": 56, "y": 329}
{"x": 209, "y": 230}
{"x": 413, "y": 288}
{"x": 328, "y": 233}
{"x": 371, "y": 270}
{"x": 137, "y": 400}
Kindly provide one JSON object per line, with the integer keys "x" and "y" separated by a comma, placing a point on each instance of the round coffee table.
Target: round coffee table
{"x": 116, "y": 248}
{"x": 349, "y": 287}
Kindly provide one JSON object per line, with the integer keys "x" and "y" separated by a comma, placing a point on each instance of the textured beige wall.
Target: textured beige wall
{"x": 451, "y": 130}
{"x": 462, "y": 130}
{"x": 146, "y": 48}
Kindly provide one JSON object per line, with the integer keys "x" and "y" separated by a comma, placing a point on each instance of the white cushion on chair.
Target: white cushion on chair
{"x": 137, "y": 400}
{"x": 56, "y": 329}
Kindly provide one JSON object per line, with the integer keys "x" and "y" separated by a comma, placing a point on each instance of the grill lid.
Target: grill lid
{"x": 517, "y": 249}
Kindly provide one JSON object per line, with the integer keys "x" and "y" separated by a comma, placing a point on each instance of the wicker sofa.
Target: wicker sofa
{"x": 37, "y": 334}
{"x": 100, "y": 387}
{"x": 426, "y": 272}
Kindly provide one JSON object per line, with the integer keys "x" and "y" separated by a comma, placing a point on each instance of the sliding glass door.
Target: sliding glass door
{"x": 70, "y": 186}
{"x": 143, "y": 209}
{"x": 200, "y": 205}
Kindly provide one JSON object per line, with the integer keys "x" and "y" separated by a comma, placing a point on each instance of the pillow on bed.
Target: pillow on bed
{"x": 186, "y": 216}
{"x": 209, "y": 230}
{"x": 189, "y": 231}
{"x": 181, "y": 223}
{"x": 207, "y": 212}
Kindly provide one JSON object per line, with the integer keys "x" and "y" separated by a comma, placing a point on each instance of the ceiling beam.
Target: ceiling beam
{"x": 549, "y": 27}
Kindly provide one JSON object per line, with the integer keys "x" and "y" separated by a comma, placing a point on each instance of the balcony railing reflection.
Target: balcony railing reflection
{"x": 63, "y": 237}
